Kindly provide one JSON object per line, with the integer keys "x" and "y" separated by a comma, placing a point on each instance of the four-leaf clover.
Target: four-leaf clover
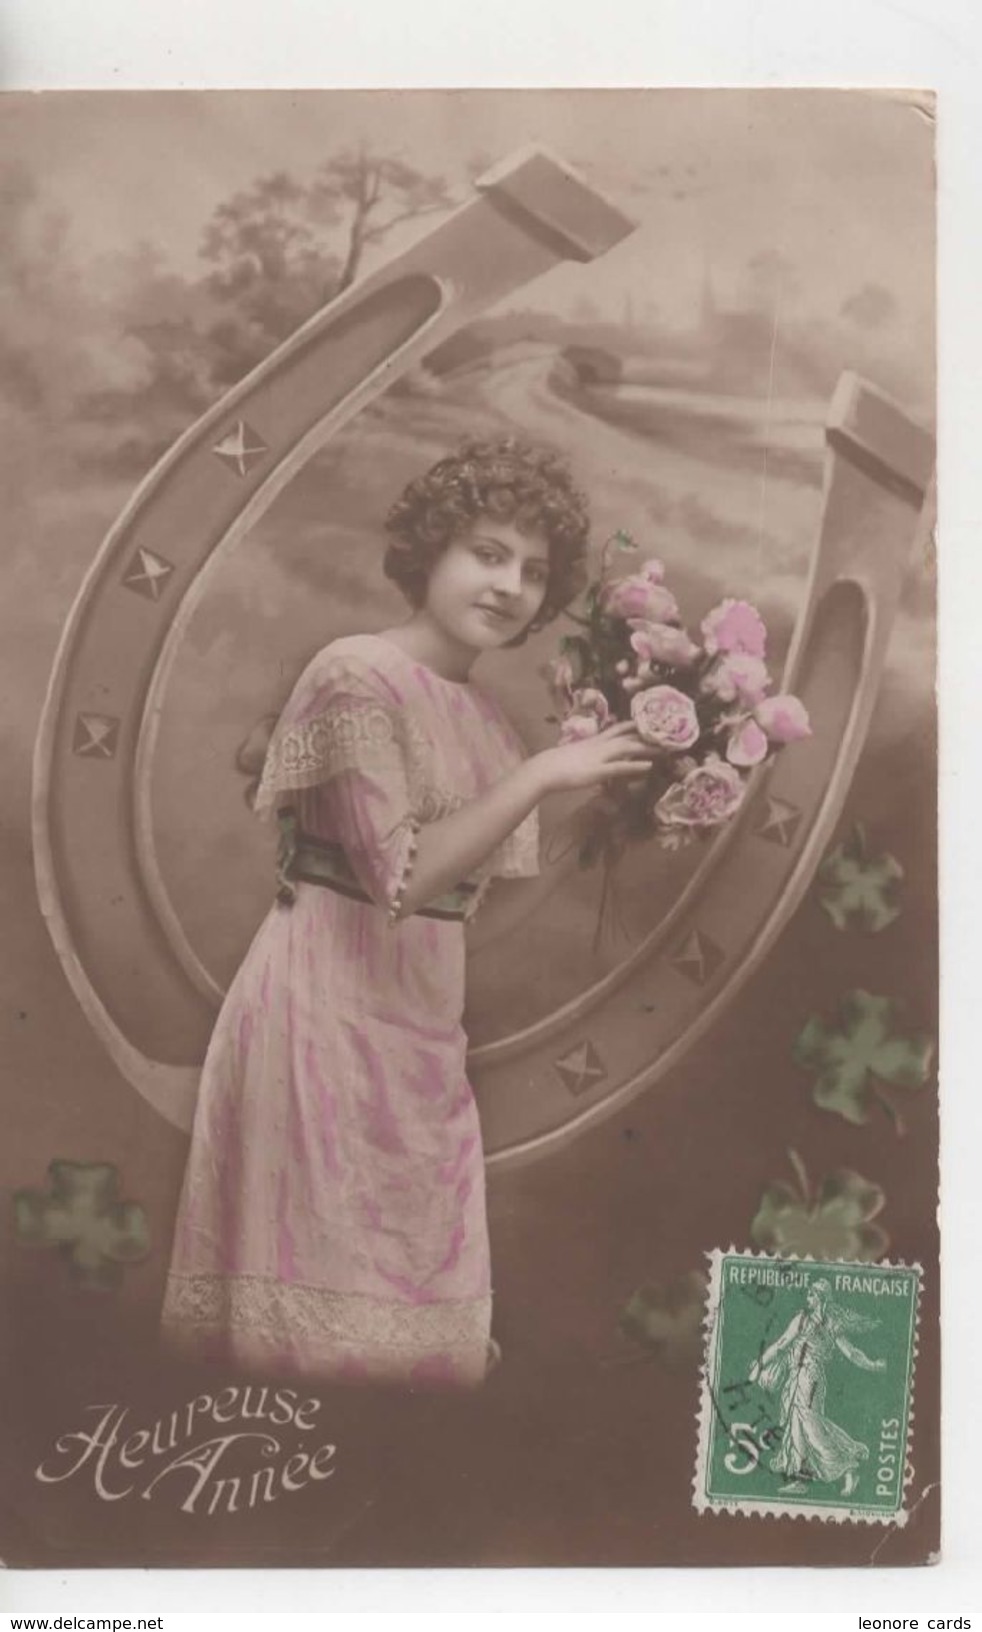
{"x": 82, "y": 1216}
{"x": 863, "y": 1050}
{"x": 837, "y": 1223}
{"x": 667, "y": 1320}
{"x": 858, "y": 888}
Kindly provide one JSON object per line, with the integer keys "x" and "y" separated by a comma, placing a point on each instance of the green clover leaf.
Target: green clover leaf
{"x": 858, "y": 888}
{"x": 667, "y": 1320}
{"x": 863, "y": 1050}
{"x": 82, "y": 1216}
{"x": 837, "y": 1224}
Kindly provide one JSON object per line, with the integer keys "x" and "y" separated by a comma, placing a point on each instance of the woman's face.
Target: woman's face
{"x": 488, "y": 584}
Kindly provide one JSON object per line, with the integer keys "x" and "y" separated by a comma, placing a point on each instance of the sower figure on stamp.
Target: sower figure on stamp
{"x": 795, "y": 1365}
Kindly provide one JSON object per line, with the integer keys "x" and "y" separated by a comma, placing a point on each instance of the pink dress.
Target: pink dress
{"x": 332, "y": 1221}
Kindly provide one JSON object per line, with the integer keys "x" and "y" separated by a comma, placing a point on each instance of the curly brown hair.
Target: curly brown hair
{"x": 520, "y": 482}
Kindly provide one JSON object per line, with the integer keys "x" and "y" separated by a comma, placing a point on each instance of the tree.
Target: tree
{"x": 281, "y": 248}
{"x": 379, "y": 192}
{"x": 272, "y": 254}
{"x": 270, "y": 262}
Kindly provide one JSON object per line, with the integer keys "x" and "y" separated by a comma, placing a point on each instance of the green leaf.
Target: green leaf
{"x": 858, "y": 889}
{"x": 30, "y": 1222}
{"x": 904, "y": 1062}
{"x": 82, "y": 1216}
{"x": 667, "y": 1320}
{"x": 846, "y": 1059}
{"x": 130, "y": 1238}
{"x": 838, "y": 1225}
{"x": 801, "y": 1174}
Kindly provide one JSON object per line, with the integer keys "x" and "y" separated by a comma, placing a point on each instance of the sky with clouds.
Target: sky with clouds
{"x": 838, "y": 183}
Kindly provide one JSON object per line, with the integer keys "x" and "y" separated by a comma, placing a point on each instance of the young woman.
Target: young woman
{"x": 332, "y": 1220}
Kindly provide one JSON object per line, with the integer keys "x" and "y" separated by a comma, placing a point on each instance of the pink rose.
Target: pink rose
{"x": 747, "y": 745}
{"x": 784, "y": 718}
{"x": 666, "y": 718}
{"x": 589, "y": 714}
{"x": 662, "y": 643}
{"x": 639, "y": 597}
{"x": 591, "y": 701}
{"x": 577, "y": 727}
{"x": 707, "y": 797}
{"x": 737, "y": 678}
{"x": 734, "y": 626}
{"x": 653, "y": 570}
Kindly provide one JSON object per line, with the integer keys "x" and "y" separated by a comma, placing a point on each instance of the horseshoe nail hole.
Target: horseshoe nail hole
{"x": 631, "y": 1134}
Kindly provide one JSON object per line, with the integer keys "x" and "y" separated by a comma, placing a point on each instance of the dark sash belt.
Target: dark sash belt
{"x": 302, "y": 858}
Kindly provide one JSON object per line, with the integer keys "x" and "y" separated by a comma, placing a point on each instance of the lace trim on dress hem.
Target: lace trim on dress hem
{"x": 263, "y": 1308}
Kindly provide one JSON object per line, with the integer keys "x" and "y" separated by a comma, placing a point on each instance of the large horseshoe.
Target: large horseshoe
{"x": 122, "y": 947}
{"x": 100, "y": 891}
{"x": 540, "y": 1087}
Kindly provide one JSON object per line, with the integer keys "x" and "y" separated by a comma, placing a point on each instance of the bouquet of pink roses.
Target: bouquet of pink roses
{"x": 706, "y": 706}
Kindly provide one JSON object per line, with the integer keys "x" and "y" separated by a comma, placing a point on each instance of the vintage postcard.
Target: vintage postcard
{"x": 469, "y": 975}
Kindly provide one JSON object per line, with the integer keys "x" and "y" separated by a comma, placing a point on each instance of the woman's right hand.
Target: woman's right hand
{"x": 616, "y": 753}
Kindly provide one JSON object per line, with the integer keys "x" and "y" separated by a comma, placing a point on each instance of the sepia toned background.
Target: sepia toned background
{"x": 157, "y": 246}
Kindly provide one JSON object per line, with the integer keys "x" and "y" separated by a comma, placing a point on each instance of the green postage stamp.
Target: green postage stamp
{"x": 807, "y": 1388}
